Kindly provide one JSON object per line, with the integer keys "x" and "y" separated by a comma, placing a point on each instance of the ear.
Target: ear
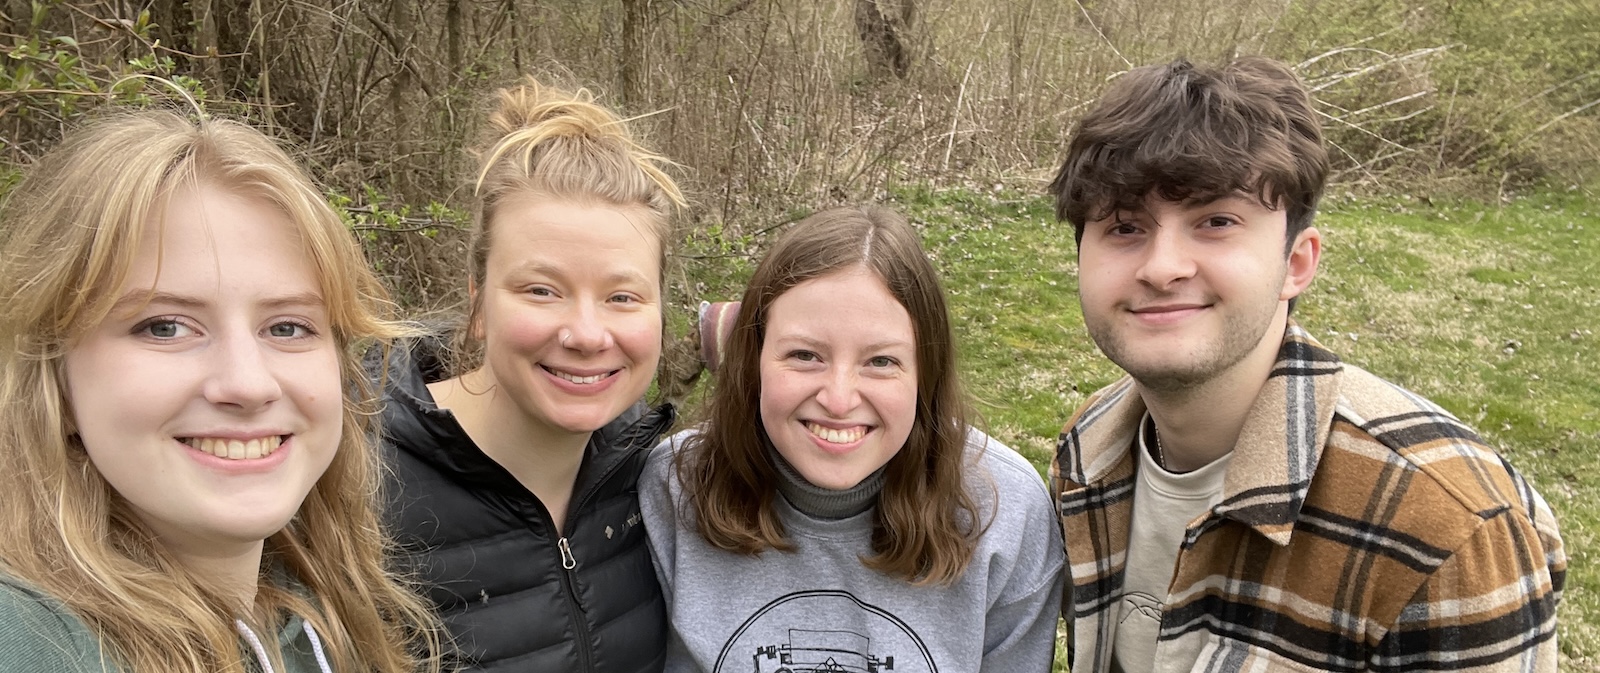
{"x": 1303, "y": 259}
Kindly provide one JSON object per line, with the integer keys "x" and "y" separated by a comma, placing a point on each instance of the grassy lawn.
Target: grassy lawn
{"x": 1491, "y": 312}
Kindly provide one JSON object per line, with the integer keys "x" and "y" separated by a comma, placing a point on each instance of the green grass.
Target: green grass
{"x": 1489, "y": 311}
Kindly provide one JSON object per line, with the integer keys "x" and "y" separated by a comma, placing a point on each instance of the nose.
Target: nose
{"x": 586, "y": 330}
{"x": 241, "y": 375}
{"x": 840, "y": 393}
{"x": 1167, "y": 260}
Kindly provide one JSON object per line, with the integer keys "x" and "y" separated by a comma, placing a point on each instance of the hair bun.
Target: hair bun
{"x": 554, "y": 111}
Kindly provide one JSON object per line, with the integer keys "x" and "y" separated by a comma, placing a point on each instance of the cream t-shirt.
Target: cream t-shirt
{"x": 1163, "y": 506}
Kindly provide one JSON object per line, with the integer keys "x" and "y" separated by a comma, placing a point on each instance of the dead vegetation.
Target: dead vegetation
{"x": 774, "y": 108}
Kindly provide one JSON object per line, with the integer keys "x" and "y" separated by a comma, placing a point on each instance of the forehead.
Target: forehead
{"x": 564, "y": 232}
{"x": 207, "y": 240}
{"x": 853, "y": 303}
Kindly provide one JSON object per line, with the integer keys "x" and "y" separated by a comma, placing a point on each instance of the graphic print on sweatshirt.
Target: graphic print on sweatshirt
{"x": 824, "y": 631}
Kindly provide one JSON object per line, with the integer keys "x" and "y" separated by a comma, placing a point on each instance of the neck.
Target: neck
{"x": 824, "y": 503}
{"x": 543, "y": 459}
{"x": 1199, "y": 424}
{"x": 233, "y": 569}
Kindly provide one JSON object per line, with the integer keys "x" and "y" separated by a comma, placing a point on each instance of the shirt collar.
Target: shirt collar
{"x": 1278, "y": 449}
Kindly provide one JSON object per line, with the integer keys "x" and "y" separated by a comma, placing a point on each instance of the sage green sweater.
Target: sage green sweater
{"x": 38, "y": 634}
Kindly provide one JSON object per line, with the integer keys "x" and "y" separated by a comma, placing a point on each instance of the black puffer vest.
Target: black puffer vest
{"x": 513, "y": 594}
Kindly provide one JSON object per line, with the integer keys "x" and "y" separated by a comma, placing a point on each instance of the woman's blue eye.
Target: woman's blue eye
{"x": 881, "y": 361}
{"x": 165, "y": 329}
{"x": 290, "y": 330}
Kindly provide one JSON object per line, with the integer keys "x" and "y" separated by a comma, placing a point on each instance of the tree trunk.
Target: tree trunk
{"x": 205, "y": 40}
{"x": 452, "y": 27}
{"x": 632, "y": 67}
{"x": 259, "y": 13}
{"x": 883, "y": 35}
{"x": 400, "y": 113}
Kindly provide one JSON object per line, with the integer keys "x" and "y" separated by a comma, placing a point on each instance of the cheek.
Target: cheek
{"x": 639, "y": 336}
{"x": 897, "y": 402}
{"x": 108, "y": 395}
{"x": 1093, "y": 282}
{"x": 322, "y": 385}
{"x": 778, "y": 397}
{"x": 520, "y": 329}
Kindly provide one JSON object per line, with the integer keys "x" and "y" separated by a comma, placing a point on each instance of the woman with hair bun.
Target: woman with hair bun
{"x": 185, "y": 456}
{"x": 836, "y": 512}
{"x": 517, "y": 460}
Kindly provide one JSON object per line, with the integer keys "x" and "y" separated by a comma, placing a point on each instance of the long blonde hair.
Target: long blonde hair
{"x": 68, "y": 236}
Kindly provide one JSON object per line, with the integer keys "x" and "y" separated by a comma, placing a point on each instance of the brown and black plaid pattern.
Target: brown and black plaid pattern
{"x": 1362, "y": 528}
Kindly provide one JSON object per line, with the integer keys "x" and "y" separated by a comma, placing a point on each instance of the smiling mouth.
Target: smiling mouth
{"x": 836, "y": 436}
{"x": 580, "y": 380}
{"x": 233, "y": 449}
{"x": 1171, "y": 308}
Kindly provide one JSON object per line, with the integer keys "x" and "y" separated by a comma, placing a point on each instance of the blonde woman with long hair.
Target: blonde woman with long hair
{"x": 189, "y": 484}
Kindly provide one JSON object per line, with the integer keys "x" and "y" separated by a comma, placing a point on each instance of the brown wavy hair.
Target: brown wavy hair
{"x": 1186, "y": 132}
{"x": 68, "y": 236}
{"x": 926, "y": 524}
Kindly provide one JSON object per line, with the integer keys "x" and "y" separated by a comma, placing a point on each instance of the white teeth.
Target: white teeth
{"x": 827, "y": 434}
{"x": 234, "y": 449}
{"x": 579, "y": 379}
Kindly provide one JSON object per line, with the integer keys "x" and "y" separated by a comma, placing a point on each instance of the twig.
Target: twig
{"x": 961, "y": 95}
{"x": 1408, "y": 56}
{"x": 1449, "y": 115}
{"x": 1102, "y": 34}
{"x": 397, "y": 230}
{"x": 1358, "y": 165}
{"x": 56, "y": 92}
{"x": 784, "y": 223}
{"x": 1396, "y": 101}
{"x": 401, "y": 52}
{"x": 735, "y": 8}
{"x": 121, "y": 26}
{"x": 1358, "y": 127}
{"x": 418, "y": 223}
{"x": 1549, "y": 124}
{"x": 1522, "y": 103}
{"x": 327, "y": 74}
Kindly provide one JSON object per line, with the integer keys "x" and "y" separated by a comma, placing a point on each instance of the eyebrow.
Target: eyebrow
{"x": 874, "y": 346}
{"x": 140, "y": 298}
{"x": 535, "y": 267}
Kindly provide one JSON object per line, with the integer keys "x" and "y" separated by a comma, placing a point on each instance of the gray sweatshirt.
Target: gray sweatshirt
{"x": 819, "y": 609}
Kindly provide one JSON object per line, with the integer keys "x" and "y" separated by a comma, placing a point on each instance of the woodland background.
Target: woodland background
{"x": 775, "y": 108}
{"x": 1464, "y": 135}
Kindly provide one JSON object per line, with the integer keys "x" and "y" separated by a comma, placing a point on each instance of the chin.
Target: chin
{"x": 588, "y": 423}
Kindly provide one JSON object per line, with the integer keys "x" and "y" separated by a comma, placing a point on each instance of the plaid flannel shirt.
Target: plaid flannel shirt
{"x": 1362, "y": 528}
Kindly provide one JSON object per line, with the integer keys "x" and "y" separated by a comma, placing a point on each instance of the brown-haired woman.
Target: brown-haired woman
{"x": 516, "y": 468}
{"x": 835, "y": 511}
{"x": 185, "y": 456}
